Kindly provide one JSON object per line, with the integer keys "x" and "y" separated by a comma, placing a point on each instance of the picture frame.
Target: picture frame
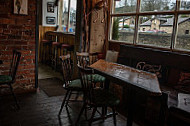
{"x": 20, "y": 7}
{"x": 50, "y": 20}
{"x": 50, "y": 7}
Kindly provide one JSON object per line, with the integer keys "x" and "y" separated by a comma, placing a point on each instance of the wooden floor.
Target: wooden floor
{"x": 37, "y": 109}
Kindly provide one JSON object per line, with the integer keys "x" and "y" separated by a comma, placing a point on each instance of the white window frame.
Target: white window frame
{"x": 176, "y": 12}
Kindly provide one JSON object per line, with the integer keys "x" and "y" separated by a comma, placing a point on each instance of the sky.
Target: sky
{"x": 121, "y": 3}
{"x": 73, "y": 3}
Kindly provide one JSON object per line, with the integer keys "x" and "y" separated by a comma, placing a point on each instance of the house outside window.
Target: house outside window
{"x": 158, "y": 23}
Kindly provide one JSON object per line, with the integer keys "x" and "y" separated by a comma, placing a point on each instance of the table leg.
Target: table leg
{"x": 106, "y": 87}
{"x": 107, "y": 84}
{"x": 131, "y": 106}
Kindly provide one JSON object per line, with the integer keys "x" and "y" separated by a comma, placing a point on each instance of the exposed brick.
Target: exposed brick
{"x": 18, "y": 32}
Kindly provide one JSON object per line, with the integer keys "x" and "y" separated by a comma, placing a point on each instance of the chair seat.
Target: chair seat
{"x": 105, "y": 98}
{"x": 56, "y": 43}
{"x": 65, "y": 46}
{"x": 5, "y": 79}
{"x": 75, "y": 84}
{"x": 46, "y": 42}
{"x": 98, "y": 78}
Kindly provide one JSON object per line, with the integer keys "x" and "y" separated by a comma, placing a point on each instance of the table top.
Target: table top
{"x": 128, "y": 75}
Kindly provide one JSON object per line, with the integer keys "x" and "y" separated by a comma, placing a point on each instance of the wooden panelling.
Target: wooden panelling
{"x": 97, "y": 33}
{"x": 166, "y": 58}
{"x": 45, "y": 32}
{"x": 42, "y": 31}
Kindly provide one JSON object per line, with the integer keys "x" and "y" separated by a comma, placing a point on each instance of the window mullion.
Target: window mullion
{"x": 175, "y": 25}
{"x": 136, "y": 22}
{"x": 112, "y": 5}
{"x": 68, "y": 19}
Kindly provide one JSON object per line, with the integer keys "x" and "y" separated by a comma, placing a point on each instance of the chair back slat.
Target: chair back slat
{"x": 14, "y": 64}
{"x": 86, "y": 81}
{"x": 83, "y": 59}
{"x": 66, "y": 68}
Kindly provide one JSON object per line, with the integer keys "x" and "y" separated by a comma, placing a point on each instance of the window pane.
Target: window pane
{"x": 123, "y": 28}
{"x": 183, "y": 36}
{"x": 157, "y": 5}
{"x": 65, "y": 15}
{"x": 123, "y": 6}
{"x": 72, "y": 16}
{"x": 185, "y": 5}
{"x": 155, "y": 30}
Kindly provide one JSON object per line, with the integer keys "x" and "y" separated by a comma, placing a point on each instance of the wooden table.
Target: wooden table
{"x": 130, "y": 77}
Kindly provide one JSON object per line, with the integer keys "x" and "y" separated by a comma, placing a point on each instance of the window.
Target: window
{"x": 186, "y": 32}
{"x": 67, "y": 15}
{"x": 158, "y": 23}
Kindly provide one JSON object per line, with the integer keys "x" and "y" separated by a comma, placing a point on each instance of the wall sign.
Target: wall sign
{"x": 21, "y": 7}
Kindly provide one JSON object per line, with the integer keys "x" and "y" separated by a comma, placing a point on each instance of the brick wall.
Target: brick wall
{"x": 18, "y": 32}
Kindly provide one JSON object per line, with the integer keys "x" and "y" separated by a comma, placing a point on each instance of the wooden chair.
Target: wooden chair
{"x": 69, "y": 84}
{"x": 10, "y": 79}
{"x": 96, "y": 97}
{"x": 85, "y": 59}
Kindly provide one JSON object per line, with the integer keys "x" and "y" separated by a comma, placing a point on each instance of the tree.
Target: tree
{"x": 126, "y": 26}
{"x": 115, "y": 35}
{"x": 153, "y": 5}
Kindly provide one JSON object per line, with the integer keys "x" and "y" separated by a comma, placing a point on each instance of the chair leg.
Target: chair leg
{"x": 11, "y": 88}
{"x": 77, "y": 95}
{"x": 63, "y": 102}
{"x": 114, "y": 116}
{"x": 86, "y": 112}
{"x": 81, "y": 111}
{"x": 67, "y": 101}
{"x": 103, "y": 113}
{"x": 93, "y": 114}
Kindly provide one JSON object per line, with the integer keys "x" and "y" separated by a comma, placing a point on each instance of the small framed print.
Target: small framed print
{"x": 50, "y": 7}
{"x": 21, "y": 7}
{"x": 50, "y": 20}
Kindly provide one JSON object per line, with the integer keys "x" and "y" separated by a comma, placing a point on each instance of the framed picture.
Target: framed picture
{"x": 21, "y": 7}
{"x": 50, "y": 7}
{"x": 50, "y": 20}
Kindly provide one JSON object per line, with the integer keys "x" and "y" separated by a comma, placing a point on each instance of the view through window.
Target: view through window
{"x": 160, "y": 23}
{"x": 68, "y": 15}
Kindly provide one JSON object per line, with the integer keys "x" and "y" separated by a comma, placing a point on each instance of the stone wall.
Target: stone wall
{"x": 183, "y": 27}
{"x": 159, "y": 39}
{"x": 18, "y": 32}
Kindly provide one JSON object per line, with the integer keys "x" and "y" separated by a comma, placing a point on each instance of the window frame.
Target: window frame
{"x": 176, "y": 12}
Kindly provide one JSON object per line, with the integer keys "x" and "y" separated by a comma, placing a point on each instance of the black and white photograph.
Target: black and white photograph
{"x": 50, "y": 20}
{"x": 50, "y": 7}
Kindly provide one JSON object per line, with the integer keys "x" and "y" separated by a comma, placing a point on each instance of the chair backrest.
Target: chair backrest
{"x": 86, "y": 81}
{"x": 111, "y": 56}
{"x": 14, "y": 64}
{"x": 66, "y": 68}
{"x": 85, "y": 59}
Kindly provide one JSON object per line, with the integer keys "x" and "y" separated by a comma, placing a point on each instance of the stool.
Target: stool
{"x": 46, "y": 44}
{"x": 56, "y": 46}
{"x": 67, "y": 48}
